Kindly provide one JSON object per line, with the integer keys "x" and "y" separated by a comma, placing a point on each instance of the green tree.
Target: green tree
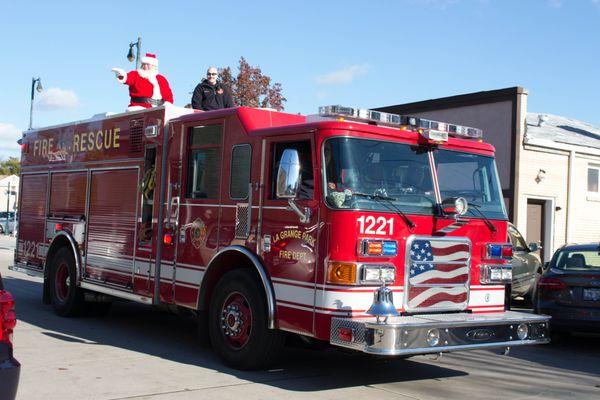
{"x": 252, "y": 88}
{"x": 10, "y": 166}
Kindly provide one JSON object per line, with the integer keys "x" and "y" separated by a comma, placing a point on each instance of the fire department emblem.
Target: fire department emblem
{"x": 197, "y": 233}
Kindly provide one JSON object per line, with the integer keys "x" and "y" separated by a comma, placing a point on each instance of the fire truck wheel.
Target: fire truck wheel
{"x": 238, "y": 322}
{"x": 67, "y": 298}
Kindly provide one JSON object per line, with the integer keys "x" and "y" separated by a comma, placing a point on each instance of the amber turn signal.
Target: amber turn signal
{"x": 342, "y": 273}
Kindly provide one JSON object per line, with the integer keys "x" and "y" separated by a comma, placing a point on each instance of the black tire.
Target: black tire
{"x": 202, "y": 324}
{"x": 67, "y": 299}
{"x": 238, "y": 299}
{"x": 1, "y": 230}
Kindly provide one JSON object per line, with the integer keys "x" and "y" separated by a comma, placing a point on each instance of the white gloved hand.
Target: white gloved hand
{"x": 120, "y": 74}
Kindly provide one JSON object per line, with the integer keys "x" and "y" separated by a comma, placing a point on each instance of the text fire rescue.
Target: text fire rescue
{"x": 85, "y": 141}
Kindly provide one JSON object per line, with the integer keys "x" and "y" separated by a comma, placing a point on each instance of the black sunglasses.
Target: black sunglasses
{"x": 212, "y": 74}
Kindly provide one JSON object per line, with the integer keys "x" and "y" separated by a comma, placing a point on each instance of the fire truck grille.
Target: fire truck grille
{"x": 136, "y": 134}
{"x": 242, "y": 221}
{"x": 438, "y": 274}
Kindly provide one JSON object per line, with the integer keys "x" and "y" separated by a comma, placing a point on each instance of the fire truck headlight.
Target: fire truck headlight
{"x": 343, "y": 273}
{"x": 495, "y": 274}
{"x": 522, "y": 331}
{"x": 507, "y": 273}
{"x": 433, "y": 337}
{"x": 377, "y": 273}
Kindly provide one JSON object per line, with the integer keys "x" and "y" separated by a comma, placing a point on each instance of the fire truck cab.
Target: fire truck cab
{"x": 371, "y": 231}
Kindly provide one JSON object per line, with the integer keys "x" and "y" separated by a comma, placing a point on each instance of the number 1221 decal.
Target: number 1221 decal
{"x": 375, "y": 226}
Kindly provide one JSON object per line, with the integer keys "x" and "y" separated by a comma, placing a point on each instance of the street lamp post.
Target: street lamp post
{"x": 39, "y": 89}
{"x": 130, "y": 55}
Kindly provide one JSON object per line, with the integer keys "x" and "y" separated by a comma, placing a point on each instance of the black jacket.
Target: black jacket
{"x": 208, "y": 97}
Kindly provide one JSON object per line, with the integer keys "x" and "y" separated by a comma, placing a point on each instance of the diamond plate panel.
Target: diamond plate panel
{"x": 242, "y": 221}
{"x": 358, "y": 329}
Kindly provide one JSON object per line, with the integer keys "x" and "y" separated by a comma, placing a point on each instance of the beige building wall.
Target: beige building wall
{"x": 577, "y": 219}
{"x": 586, "y": 206}
{"x": 552, "y": 188}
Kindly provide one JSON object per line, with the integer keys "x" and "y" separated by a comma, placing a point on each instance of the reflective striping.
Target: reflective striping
{"x": 99, "y": 261}
{"x": 340, "y": 288}
{"x": 487, "y": 287}
{"x": 328, "y": 300}
{"x": 192, "y": 266}
{"x": 190, "y": 276}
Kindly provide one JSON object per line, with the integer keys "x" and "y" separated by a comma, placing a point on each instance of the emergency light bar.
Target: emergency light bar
{"x": 434, "y": 130}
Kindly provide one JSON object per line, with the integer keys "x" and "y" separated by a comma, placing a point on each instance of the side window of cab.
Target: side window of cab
{"x": 307, "y": 182}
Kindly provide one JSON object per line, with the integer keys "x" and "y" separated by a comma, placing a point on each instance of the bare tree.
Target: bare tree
{"x": 252, "y": 88}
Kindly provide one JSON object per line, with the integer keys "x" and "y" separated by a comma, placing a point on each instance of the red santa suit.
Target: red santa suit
{"x": 147, "y": 88}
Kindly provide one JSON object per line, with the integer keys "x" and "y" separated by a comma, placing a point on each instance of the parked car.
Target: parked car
{"x": 9, "y": 367}
{"x": 8, "y": 222}
{"x": 527, "y": 266}
{"x": 569, "y": 289}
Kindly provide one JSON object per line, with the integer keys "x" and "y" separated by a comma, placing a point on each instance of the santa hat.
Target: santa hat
{"x": 150, "y": 59}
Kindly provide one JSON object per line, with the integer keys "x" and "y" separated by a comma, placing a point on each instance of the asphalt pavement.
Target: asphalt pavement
{"x": 138, "y": 352}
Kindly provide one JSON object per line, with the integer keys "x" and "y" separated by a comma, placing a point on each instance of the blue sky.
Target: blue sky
{"x": 361, "y": 53}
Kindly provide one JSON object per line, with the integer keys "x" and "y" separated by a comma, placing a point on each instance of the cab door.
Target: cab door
{"x": 288, "y": 245}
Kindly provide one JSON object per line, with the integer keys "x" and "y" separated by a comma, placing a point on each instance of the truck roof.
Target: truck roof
{"x": 267, "y": 122}
{"x": 260, "y": 121}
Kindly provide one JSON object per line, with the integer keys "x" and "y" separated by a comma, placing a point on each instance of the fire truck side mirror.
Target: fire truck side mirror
{"x": 289, "y": 175}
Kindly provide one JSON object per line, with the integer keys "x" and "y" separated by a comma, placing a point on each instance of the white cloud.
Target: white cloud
{"x": 9, "y": 134}
{"x": 57, "y": 98}
{"x": 343, "y": 75}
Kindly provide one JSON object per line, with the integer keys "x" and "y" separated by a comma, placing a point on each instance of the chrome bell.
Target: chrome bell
{"x": 383, "y": 304}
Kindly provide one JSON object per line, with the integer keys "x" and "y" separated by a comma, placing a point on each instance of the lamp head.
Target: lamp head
{"x": 39, "y": 87}
{"x": 130, "y": 55}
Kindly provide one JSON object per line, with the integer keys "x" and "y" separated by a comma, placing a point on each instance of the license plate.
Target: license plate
{"x": 591, "y": 294}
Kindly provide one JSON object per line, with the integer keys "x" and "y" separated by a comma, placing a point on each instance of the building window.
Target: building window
{"x": 593, "y": 179}
{"x": 204, "y": 166}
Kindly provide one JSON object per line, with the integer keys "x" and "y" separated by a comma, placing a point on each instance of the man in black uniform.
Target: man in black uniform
{"x": 210, "y": 94}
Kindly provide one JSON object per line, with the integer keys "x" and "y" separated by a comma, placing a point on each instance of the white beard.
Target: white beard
{"x": 151, "y": 76}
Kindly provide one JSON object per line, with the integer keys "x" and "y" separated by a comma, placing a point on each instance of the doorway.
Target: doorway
{"x": 536, "y": 224}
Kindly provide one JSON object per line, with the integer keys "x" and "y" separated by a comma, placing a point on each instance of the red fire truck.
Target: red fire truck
{"x": 376, "y": 232}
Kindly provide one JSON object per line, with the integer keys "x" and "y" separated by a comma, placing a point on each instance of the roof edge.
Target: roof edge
{"x": 461, "y": 100}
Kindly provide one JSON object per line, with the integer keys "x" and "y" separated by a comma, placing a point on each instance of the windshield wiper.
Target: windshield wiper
{"x": 390, "y": 201}
{"x": 489, "y": 224}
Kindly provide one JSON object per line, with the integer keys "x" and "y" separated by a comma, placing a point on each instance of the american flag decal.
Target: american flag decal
{"x": 439, "y": 274}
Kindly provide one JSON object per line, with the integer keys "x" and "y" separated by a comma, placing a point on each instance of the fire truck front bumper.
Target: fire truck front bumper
{"x": 436, "y": 333}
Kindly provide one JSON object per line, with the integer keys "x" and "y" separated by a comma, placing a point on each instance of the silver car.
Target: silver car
{"x": 527, "y": 266}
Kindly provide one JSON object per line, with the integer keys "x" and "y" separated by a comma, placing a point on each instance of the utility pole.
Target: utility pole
{"x": 7, "y": 231}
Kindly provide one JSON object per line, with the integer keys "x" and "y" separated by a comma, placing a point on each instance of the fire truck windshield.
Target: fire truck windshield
{"x": 392, "y": 170}
{"x": 399, "y": 177}
{"x": 473, "y": 177}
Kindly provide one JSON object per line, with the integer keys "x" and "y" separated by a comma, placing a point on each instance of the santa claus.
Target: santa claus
{"x": 147, "y": 88}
